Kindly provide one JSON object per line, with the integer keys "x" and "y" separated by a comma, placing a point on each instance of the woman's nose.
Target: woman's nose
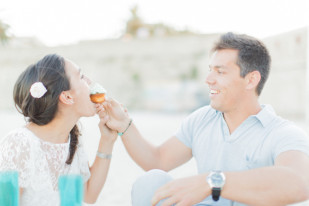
{"x": 88, "y": 80}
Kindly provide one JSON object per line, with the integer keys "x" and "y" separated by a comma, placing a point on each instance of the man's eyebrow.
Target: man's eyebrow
{"x": 217, "y": 66}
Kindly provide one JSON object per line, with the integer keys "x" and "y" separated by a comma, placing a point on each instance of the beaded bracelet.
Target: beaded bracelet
{"x": 121, "y": 133}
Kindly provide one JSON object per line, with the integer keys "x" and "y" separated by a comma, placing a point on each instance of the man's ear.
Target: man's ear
{"x": 253, "y": 79}
{"x": 66, "y": 98}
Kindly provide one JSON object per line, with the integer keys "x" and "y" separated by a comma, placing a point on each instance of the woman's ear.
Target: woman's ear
{"x": 66, "y": 98}
{"x": 253, "y": 79}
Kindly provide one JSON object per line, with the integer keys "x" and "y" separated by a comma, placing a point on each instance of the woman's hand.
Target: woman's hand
{"x": 107, "y": 134}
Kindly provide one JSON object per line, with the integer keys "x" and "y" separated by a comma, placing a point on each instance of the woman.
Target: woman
{"x": 53, "y": 94}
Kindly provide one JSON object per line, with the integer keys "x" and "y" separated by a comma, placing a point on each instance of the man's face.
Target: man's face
{"x": 227, "y": 87}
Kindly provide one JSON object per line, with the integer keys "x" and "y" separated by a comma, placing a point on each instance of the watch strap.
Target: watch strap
{"x": 216, "y": 193}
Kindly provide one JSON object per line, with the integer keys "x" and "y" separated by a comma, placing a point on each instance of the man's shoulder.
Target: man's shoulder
{"x": 280, "y": 127}
{"x": 204, "y": 112}
{"x": 287, "y": 127}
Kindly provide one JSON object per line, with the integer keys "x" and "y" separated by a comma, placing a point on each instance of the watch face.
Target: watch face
{"x": 217, "y": 179}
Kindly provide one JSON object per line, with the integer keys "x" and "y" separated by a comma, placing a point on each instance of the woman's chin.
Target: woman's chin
{"x": 90, "y": 114}
{"x": 93, "y": 114}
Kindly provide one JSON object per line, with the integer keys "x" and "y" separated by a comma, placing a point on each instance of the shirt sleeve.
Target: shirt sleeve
{"x": 15, "y": 156}
{"x": 291, "y": 138}
{"x": 185, "y": 132}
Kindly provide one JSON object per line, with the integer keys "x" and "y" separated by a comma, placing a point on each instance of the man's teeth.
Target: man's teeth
{"x": 214, "y": 92}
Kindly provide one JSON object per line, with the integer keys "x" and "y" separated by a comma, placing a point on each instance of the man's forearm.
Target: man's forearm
{"x": 266, "y": 186}
{"x": 141, "y": 151}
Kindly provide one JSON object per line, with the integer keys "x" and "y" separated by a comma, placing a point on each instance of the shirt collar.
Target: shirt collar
{"x": 266, "y": 115}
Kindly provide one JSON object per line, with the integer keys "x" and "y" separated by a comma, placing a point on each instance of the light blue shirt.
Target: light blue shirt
{"x": 255, "y": 143}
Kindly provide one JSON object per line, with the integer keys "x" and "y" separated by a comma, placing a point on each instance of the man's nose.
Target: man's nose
{"x": 210, "y": 78}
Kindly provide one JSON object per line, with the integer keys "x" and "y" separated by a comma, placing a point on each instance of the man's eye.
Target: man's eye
{"x": 220, "y": 71}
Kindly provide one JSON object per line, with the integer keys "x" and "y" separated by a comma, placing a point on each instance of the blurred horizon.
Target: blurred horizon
{"x": 158, "y": 50}
{"x": 57, "y": 22}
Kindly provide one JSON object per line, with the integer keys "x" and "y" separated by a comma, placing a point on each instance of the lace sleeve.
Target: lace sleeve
{"x": 15, "y": 155}
{"x": 83, "y": 163}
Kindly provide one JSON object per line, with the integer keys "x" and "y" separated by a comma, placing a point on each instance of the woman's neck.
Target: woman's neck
{"x": 57, "y": 131}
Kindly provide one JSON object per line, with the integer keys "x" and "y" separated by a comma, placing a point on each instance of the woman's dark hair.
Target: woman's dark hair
{"x": 252, "y": 55}
{"x": 50, "y": 71}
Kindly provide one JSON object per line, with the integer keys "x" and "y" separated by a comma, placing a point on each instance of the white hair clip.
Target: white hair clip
{"x": 37, "y": 90}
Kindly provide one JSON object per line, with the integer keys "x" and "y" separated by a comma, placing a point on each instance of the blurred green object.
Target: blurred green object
{"x": 4, "y": 32}
{"x": 9, "y": 190}
{"x": 71, "y": 189}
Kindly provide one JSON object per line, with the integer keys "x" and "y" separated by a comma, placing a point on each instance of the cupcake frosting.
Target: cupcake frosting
{"x": 97, "y": 89}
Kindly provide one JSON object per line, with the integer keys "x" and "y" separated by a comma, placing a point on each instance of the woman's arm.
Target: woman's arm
{"x": 20, "y": 191}
{"x": 100, "y": 167}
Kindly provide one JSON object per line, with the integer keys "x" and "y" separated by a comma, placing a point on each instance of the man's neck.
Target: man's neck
{"x": 237, "y": 116}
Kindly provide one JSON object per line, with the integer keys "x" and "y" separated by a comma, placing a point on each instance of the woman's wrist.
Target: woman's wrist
{"x": 104, "y": 156}
{"x": 106, "y": 146}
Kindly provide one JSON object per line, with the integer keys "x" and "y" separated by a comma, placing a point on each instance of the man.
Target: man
{"x": 245, "y": 153}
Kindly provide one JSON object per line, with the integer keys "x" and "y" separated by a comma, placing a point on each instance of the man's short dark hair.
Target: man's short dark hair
{"x": 252, "y": 55}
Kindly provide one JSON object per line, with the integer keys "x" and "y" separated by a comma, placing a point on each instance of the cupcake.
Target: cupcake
{"x": 97, "y": 93}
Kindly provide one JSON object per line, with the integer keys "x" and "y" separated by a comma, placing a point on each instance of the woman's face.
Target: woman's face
{"x": 79, "y": 90}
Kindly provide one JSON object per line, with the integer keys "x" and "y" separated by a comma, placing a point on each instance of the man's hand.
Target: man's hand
{"x": 183, "y": 192}
{"x": 118, "y": 118}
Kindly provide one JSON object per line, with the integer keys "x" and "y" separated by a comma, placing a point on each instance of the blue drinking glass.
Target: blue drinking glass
{"x": 71, "y": 189}
{"x": 9, "y": 189}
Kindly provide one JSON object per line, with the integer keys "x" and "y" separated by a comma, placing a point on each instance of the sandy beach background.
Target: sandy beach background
{"x": 156, "y": 127}
{"x": 164, "y": 80}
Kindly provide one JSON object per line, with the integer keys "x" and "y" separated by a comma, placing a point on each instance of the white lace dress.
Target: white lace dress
{"x": 39, "y": 164}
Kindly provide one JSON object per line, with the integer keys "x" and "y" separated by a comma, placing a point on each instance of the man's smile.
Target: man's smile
{"x": 212, "y": 91}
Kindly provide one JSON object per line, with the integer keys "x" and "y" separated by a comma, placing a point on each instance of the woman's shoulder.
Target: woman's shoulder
{"x": 15, "y": 151}
{"x": 20, "y": 134}
{"x": 17, "y": 139}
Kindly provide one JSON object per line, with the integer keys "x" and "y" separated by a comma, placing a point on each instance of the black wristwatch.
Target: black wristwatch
{"x": 216, "y": 181}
